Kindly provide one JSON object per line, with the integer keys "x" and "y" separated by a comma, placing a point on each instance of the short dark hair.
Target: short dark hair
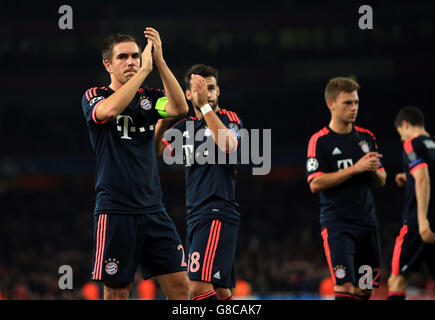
{"x": 202, "y": 70}
{"x": 111, "y": 41}
{"x": 339, "y": 84}
{"x": 410, "y": 114}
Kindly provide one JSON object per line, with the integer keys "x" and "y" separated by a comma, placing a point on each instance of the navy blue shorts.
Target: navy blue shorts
{"x": 410, "y": 252}
{"x": 211, "y": 245}
{"x": 124, "y": 242}
{"x": 353, "y": 255}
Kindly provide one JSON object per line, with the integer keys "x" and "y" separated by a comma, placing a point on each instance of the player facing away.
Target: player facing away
{"x": 131, "y": 225}
{"x": 212, "y": 210}
{"x": 415, "y": 243}
{"x": 343, "y": 166}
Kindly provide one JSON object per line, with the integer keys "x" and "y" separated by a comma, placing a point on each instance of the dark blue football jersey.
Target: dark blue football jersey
{"x": 352, "y": 201}
{"x": 127, "y": 176}
{"x": 210, "y": 188}
{"x": 418, "y": 152}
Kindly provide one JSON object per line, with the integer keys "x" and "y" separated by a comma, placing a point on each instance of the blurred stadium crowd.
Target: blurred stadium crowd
{"x": 274, "y": 62}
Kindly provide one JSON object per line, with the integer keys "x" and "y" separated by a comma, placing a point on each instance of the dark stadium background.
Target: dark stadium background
{"x": 274, "y": 59}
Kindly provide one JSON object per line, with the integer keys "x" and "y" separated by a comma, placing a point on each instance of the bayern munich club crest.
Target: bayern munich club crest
{"x": 340, "y": 272}
{"x": 111, "y": 266}
{"x": 145, "y": 104}
{"x": 364, "y": 146}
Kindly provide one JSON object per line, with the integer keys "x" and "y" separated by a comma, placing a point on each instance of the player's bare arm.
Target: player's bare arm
{"x": 378, "y": 177}
{"x": 422, "y": 194}
{"x": 400, "y": 179}
{"x": 331, "y": 179}
{"x": 159, "y": 130}
{"x": 368, "y": 163}
{"x": 111, "y": 107}
{"x": 224, "y": 138}
{"x": 177, "y": 104}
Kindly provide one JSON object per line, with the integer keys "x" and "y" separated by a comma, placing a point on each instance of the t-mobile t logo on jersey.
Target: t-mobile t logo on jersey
{"x": 122, "y": 125}
{"x": 345, "y": 163}
{"x": 188, "y": 154}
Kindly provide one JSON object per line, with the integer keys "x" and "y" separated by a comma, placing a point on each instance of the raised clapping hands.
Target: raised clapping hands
{"x": 147, "y": 60}
{"x": 198, "y": 88}
{"x": 154, "y": 37}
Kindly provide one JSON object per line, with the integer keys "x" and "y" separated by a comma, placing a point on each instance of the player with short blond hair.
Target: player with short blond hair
{"x": 343, "y": 166}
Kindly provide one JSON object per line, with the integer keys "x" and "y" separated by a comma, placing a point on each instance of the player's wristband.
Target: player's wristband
{"x": 206, "y": 108}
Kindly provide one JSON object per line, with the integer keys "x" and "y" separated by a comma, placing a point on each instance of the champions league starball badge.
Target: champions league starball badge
{"x": 412, "y": 156}
{"x": 312, "y": 164}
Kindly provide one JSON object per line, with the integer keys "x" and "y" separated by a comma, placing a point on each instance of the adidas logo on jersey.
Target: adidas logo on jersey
{"x": 217, "y": 275}
{"x": 336, "y": 151}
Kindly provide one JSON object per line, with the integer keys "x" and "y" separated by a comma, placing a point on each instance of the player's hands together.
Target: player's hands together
{"x": 400, "y": 179}
{"x": 147, "y": 60}
{"x": 198, "y": 88}
{"x": 154, "y": 37}
{"x": 369, "y": 162}
{"x": 426, "y": 233}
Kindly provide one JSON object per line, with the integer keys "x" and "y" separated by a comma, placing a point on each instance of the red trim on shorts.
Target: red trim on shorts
{"x": 397, "y": 293}
{"x": 343, "y": 294}
{"x": 210, "y": 251}
{"x": 205, "y": 295}
{"x": 100, "y": 244}
{"x": 213, "y": 254}
{"x": 207, "y": 250}
{"x": 328, "y": 254}
{"x": 395, "y": 264}
{"x": 361, "y": 298}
